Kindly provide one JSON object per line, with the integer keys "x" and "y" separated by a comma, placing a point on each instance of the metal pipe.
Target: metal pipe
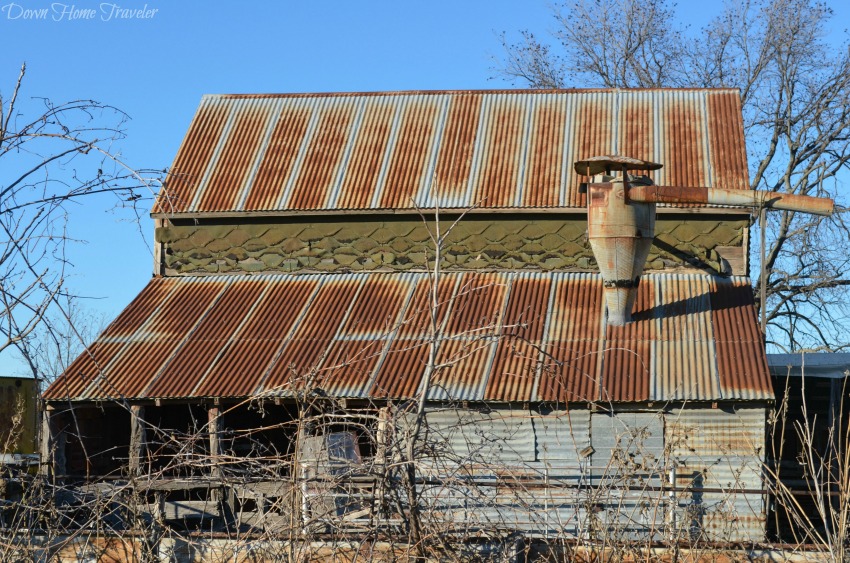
{"x": 736, "y": 198}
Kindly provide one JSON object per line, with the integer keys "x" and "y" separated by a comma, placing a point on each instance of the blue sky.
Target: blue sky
{"x": 156, "y": 69}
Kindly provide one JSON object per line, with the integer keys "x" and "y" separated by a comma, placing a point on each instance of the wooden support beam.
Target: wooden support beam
{"x": 138, "y": 439}
{"x": 213, "y": 415}
{"x": 224, "y": 494}
{"x": 52, "y": 447}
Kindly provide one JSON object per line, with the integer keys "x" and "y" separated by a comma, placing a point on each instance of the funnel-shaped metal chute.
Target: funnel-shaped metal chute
{"x": 621, "y": 220}
{"x": 620, "y": 234}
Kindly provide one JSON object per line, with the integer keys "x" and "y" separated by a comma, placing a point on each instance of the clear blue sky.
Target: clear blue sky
{"x": 156, "y": 70}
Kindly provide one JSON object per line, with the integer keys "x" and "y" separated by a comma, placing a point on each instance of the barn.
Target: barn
{"x": 369, "y": 309}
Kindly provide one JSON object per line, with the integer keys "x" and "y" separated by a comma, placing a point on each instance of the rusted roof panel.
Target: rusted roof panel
{"x": 494, "y": 149}
{"x": 517, "y": 360}
{"x": 323, "y": 157}
{"x": 686, "y": 157}
{"x": 235, "y": 160}
{"x": 368, "y": 154}
{"x": 684, "y": 308}
{"x": 502, "y": 134}
{"x": 413, "y": 144}
{"x": 457, "y": 148}
{"x": 521, "y": 336}
{"x": 193, "y": 157}
{"x": 545, "y": 165}
{"x": 278, "y": 157}
{"x": 242, "y": 365}
{"x": 736, "y": 331}
{"x": 569, "y": 370}
{"x": 196, "y": 354}
{"x": 626, "y": 357}
{"x": 726, "y": 138}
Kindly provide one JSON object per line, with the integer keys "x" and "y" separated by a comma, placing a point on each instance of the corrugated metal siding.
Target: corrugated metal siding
{"x": 486, "y": 438}
{"x": 488, "y": 475}
{"x": 562, "y": 436}
{"x": 626, "y": 442}
{"x": 505, "y": 337}
{"x": 719, "y": 449}
{"x": 508, "y": 149}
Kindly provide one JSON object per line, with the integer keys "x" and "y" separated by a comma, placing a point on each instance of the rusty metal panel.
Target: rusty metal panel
{"x": 202, "y": 346}
{"x": 625, "y": 371}
{"x": 235, "y": 160}
{"x": 347, "y": 367}
{"x": 636, "y": 129}
{"x": 419, "y": 313}
{"x": 91, "y": 362}
{"x": 570, "y": 364}
{"x": 721, "y": 449}
{"x": 323, "y": 156}
{"x": 315, "y": 331}
{"x": 278, "y": 159}
{"x": 82, "y": 371}
{"x": 726, "y": 141}
{"x": 477, "y": 305}
{"x": 593, "y": 130}
{"x": 501, "y": 150}
{"x": 684, "y": 364}
{"x": 465, "y": 363}
{"x": 546, "y": 169}
{"x": 686, "y": 159}
{"x": 243, "y": 363}
{"x": 400, "y": 374}
{"x": 509, "y": 149}
{"x": 147, "y": 351}
{"x": 414, "y": 143}
{"x": 193, "y": 157}
{"x": 368, "y": 154}
{"x": 741, "y": 360}
{"x": 517, "y": 361}
{"x": 375, "y": 313}
{"x": 457, "y": 146}
{"x": 468, "y": 343}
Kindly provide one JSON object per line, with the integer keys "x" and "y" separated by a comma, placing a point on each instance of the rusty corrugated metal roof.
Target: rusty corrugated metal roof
{"x": 492, "y": 149}
{"x": 517, "y": 336}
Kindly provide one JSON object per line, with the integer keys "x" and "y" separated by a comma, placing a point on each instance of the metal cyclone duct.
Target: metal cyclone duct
{"x": 620, "y": 232}
{"x": 621, "y": 219}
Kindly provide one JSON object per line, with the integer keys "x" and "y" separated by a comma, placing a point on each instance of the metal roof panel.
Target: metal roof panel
{"x": 515, "y": 337}
{"x": 495, "y": 149}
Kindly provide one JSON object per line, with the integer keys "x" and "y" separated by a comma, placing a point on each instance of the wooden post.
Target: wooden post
{"x": 138, "y": 439}
{"x": 382, "y": 461}
{"x": 215, "y": 442}
{"x": 52, "y": 444}
{"x": 223, "y": 495}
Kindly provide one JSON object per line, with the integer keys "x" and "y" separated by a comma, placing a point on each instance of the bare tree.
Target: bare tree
{"x": 53, "y": 155}
{"x": 795, "y": 91}
{"x": 62, "y": 335}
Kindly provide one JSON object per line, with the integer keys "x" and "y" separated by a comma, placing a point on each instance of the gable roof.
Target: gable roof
{"x": 509, "y": 336}
{"x": 455, "y": 150}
